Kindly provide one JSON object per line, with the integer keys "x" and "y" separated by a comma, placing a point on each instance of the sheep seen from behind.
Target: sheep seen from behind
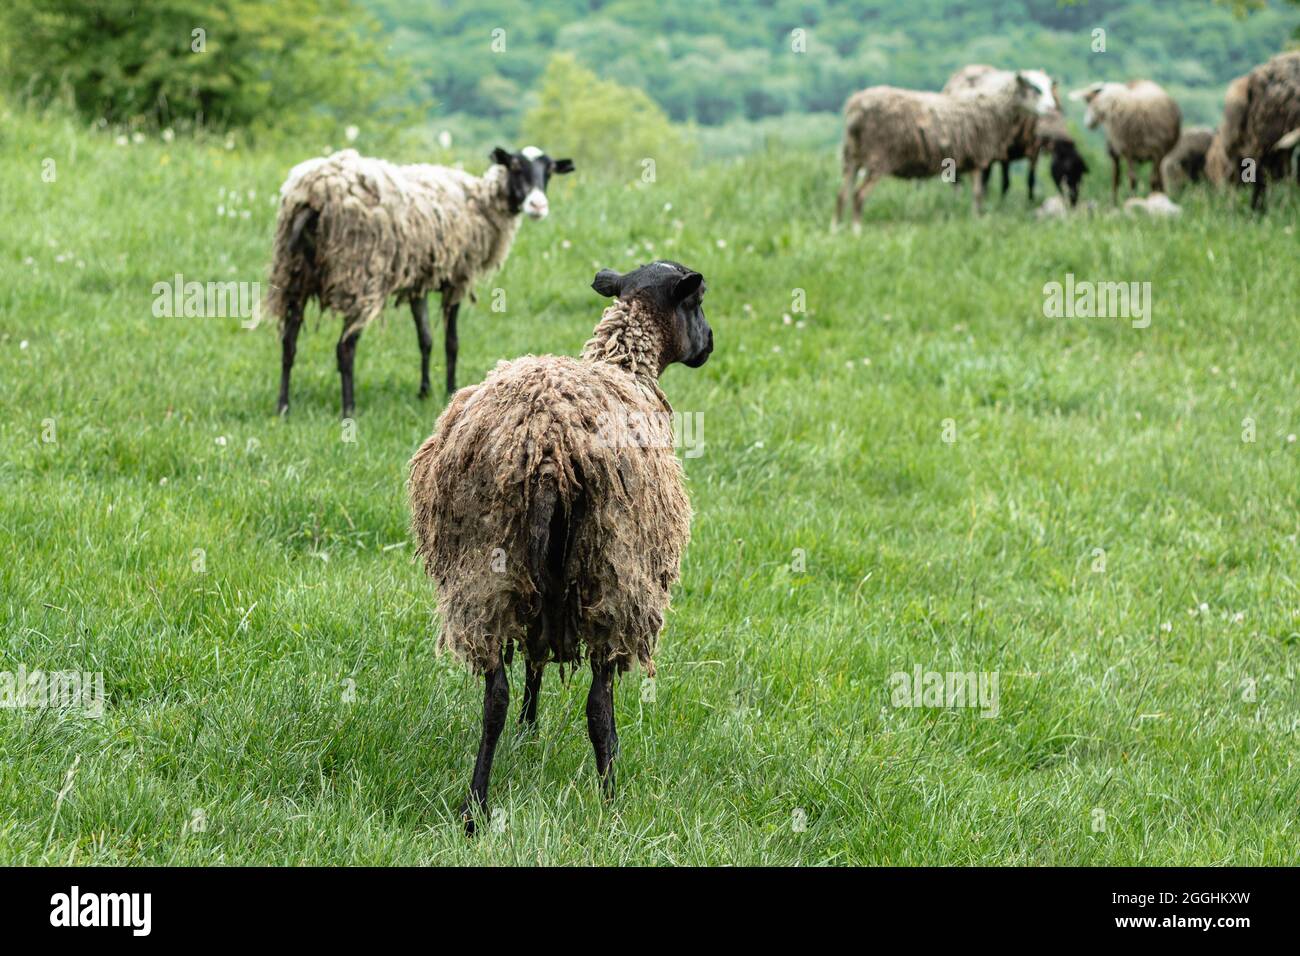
{"x": 353, "y": 232}
{"x": 1261, "y": 125}
{"x": 550, "y": 510}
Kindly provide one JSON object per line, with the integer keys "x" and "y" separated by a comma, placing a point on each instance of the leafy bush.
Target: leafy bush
{"x": 223, "y": 63}
{"x": 608, "y": 128}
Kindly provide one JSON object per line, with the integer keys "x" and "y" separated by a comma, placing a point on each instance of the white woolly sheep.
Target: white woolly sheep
{"x": 1141, "y": 121}
{"x": 915, "y": 135}
{"x": 353, "y": 232}
{"x": 1261, "y": 126}
{"x": 550, "y": 509}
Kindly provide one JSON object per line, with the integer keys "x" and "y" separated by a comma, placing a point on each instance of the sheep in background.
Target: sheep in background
{"x": 1141, "y": 121}
{"x": 1068, "y": 166}
{"x": 1186, "y": 161}
{"x": 550, "y": 509}
{"x": 1261, "y": 122}
{"x": 1156, "y": 205}
{"x": 916, "y": 135}
{"x": 354, "y": 231}
{"x": 1027, "y": 139}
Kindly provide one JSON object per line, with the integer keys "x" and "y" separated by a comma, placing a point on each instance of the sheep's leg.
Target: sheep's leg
{"x": 420, "y": 312}
{"x": 1132, "y": 176}
{"x": 1033, "y": 173}
{"x": 860, "y": 197}
{"x": 450, "y": 343}
{"x": 977, "y": 187}
{"x": 1114, "y": 179}
{"x": 496, "y": 700}
{"x": 347, "y": 353}
{"x": 288, "y": 349}
{"x": 600, "y": 724}
{"x": 532, "y": 693}
{"x": 1006, "y": 177}
{"x": 846, "y": 187}
{"x": 1157, "y": 177}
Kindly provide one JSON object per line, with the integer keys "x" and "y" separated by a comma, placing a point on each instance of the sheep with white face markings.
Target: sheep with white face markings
{"x": 1142, "y": 123}
{"x": 912, "y": 134}
{"x": 551, "y": 511}
{"x": 353, "y": 232}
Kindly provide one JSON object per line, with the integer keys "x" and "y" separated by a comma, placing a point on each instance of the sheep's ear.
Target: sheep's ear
{"x": 1085, "y": 93}
{"x": 562, "y": 166}
{"x": 500, "y": 156}
{"x": 687, "y": 286}
{"x": 607, "y": 283}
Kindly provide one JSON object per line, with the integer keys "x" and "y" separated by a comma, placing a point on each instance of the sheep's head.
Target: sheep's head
{"x": 1088, "y": 95}
{"x": 527, "y": 174}
{"x": 1034, "y": 91}
{"x": 674, "y": 294}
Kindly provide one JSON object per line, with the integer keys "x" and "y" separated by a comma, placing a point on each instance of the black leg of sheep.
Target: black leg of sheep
{"x": 420, "y": 312}
{"x": 496, "y": 700}
{"x": 347, "y": 353}
{"x": 450, "y": 343}
{"x": 532, "y": 691}
{"x": 289, "y": 348}
{"x": 600, "y": 724}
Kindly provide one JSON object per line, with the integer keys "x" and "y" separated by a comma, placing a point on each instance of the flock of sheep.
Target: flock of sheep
{"x": 985, "y": 115}
{"x": 548, "y": 506}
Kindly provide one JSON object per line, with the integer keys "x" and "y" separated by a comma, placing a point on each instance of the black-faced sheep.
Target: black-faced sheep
{"x": 1261, "y": 124}
{"x": 1141, "y": 121}
{"x": 1185, "y": 163}
{"x": 353, "y": 232}
{"x": 915, "y": 135}
{"x": 550, "y": 510}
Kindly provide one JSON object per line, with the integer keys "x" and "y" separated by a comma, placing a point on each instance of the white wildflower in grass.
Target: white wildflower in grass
{"x": 785, "y": 318}
{"x": 121, "y": 139}
{"x": 668, "y": 207}
{"x": 1290, "y": 439}
{"x": 1166, "y": 627}
{"x": 220, "y": 440}
{"x": 351, "y": 133}
{"x": 23, "y": 344}
{"x": 722, "y": 243}
{"x": 137, "y": 138}
{"x": 168, "y": 135}
{"x": 444, "y": 139}
{"x": 162, "y": 481}
{"x": 565, "y": 244}
{"x": 221, "y": 210}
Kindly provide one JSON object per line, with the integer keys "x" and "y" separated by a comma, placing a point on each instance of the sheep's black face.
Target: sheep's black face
{"x": 671, "y": 288}
{"x": 527, "y": 174}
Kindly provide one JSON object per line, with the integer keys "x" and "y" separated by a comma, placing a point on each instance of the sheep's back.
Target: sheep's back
{"x": 540, "y": 421}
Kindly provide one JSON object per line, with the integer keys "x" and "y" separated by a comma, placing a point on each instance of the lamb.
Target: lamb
{"x": 353, "y": 232}
{"x": 914, "y": 135}
{"x": 1068, "y": 165}
{"x": 1155, "y": 205}
{"x": 1141, "y": 121}
{"x": 1027, "y": 140}
{"x": 550, "y": 510}
{"x": 1186, "y": 161}
{"x": 1261, "y": 122}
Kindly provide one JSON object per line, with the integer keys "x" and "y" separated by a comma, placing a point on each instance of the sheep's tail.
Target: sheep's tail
{"x": 294, "y": 258}
{"x": 548, "y": 529}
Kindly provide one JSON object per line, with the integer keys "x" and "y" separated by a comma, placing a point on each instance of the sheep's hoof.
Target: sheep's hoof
{"x": 467, "y": 817}
{"x": 424, "y": 391}
{"x": 282, "y": 409}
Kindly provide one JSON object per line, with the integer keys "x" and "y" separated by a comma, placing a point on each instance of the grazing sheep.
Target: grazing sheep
{"x": 549, "y": 507}
{"x": 354, "y": 231}
{"x": 1141, "y": 121}
{"x": 1186, "y": 161}
{"x": 1028, "y": 138}
{"x": 1261, "y": 122}
{"x": 915, "y": 135}
{"x": 1068, "y": 165}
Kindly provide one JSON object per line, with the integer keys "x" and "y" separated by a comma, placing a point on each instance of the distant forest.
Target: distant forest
{"x": 718, "y": 63}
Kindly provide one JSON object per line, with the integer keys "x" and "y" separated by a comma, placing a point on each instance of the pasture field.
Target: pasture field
{"x": 921, "y": 470}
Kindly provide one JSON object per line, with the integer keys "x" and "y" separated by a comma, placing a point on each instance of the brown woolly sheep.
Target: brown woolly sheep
{"x": 1029, "y": 136}
{"x": 1186, "y": 161}
{"x": 1261, "y": 124}
{"x": 353, "y": 232}
{"x": 916, "y": 135}
{"x": 1141, "y": 121}
{"x": 549, "y": 508}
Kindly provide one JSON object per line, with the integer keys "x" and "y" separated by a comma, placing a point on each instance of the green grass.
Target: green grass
{"x": 226, "y": 688}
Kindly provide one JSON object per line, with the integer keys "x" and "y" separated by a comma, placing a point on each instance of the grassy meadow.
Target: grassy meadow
{"x": 919, "y": 470}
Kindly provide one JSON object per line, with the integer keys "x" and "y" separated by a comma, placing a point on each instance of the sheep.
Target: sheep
{"x": 914, "y": 135}
{"x": 1261, "y": 124}
{"x": 1028, "y": 138}
{"x": 353, "y": 232}
{"x": 1068, "y": 166}
{"x": 1186, "y": 161}
{"x": 1155, "y": 205}
{"x": 550, "y": 511}
{"x": 1141, "y": 121}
